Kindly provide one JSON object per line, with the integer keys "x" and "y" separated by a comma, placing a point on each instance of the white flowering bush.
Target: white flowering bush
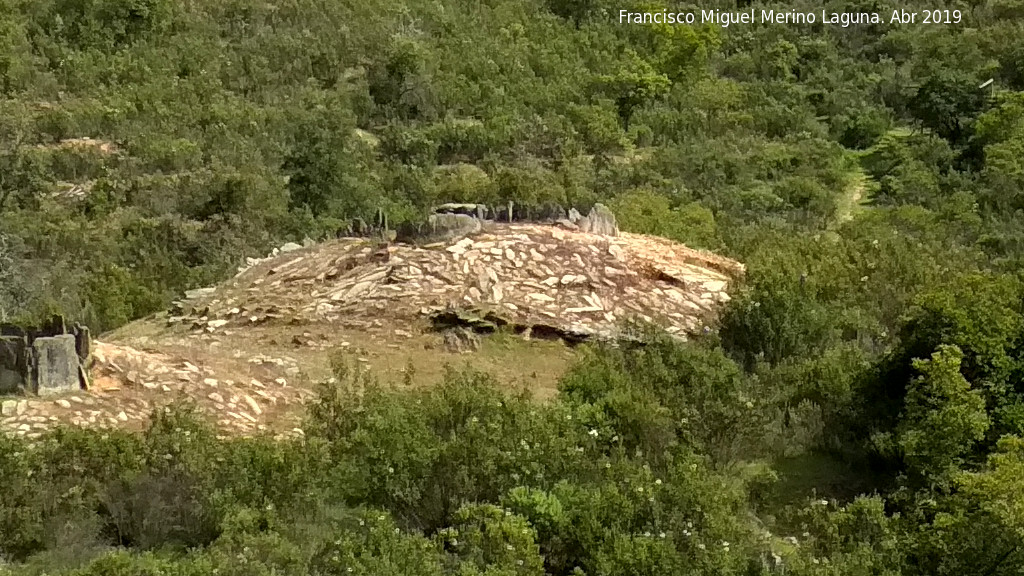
{"x": 372, "y": 544}
{"x": 493, "y": 540}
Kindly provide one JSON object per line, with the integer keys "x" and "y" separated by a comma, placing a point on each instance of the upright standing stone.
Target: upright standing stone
{"x": 82, "y": 343}
{"x": 13, "y": 363}
{"x": 55, "y": 326}
{"x": 602, "y": 221}
{"x": 56, "y": 364}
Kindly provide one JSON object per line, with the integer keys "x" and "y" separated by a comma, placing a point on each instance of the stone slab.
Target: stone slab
{"x": 56, "y": 364}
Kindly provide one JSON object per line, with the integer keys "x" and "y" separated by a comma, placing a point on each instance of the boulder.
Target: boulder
{"x": 56, "y": 364}
{"x": 601, "y": 220}
{"x": 290, "y": 247}
{"x": 460, "y": 340}
{"x": 450, "y": 226}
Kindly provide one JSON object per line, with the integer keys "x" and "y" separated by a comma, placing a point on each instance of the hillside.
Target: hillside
{"x": 821, "y": 218}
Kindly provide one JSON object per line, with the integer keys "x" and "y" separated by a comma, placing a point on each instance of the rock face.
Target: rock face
{"x": 57, "y": 367}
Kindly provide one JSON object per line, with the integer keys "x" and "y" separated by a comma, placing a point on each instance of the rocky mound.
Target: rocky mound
{"x": 531, "y": 277}
{"x": 246, "y": 352}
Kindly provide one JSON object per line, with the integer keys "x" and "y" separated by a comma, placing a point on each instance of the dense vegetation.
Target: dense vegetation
{"x": 860, "y": 410}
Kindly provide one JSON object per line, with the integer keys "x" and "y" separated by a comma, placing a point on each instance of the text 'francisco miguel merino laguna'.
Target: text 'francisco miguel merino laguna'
{"x": 844, "y": 19}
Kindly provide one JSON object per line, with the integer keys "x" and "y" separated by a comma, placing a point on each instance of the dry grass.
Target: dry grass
{"x": 389, "y": 352}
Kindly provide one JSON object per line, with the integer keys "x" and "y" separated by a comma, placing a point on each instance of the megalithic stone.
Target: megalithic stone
{"x": 56, "y": 326}
{"x": 602, "y": 221}
{"x": 510, "y": 211}
{"x": 13, "y": 364}
{"x": 83, "y": 378}
{"x": 83, "y": 344}
{"x": 57, "y": 365}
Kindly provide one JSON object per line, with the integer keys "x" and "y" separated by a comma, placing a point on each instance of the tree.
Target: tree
{"x": 980, "y": 315}
{"x": 948, "y": 103}
{"x": 329, "y": 170}
{"x": 646, "y": 212}
{"x": 635, "y": 84}
{"x": 575, "y": 10}
{"x": 6, "y": 273}
{"x": 942, "y": 418}
{"x": 397, "y": 84}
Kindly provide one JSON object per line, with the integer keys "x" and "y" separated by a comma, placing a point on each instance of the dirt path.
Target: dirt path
{"x": 851, "y": 201}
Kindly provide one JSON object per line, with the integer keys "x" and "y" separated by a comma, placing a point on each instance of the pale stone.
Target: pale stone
{"x": 253, "y": 405}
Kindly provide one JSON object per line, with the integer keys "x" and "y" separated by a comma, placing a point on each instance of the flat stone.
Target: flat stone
{"x": 253, "y": 405}
{"x": 714, "y": 285}
{"x": 8, "y": 407}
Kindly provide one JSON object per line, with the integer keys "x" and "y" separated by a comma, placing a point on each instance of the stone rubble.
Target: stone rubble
{"x": 128, "y": 384}
{"x": 527, "y": 274}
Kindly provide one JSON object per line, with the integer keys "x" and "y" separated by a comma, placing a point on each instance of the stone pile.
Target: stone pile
{"x": 526, "y": 275}
{"x": 128, "y": 384}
